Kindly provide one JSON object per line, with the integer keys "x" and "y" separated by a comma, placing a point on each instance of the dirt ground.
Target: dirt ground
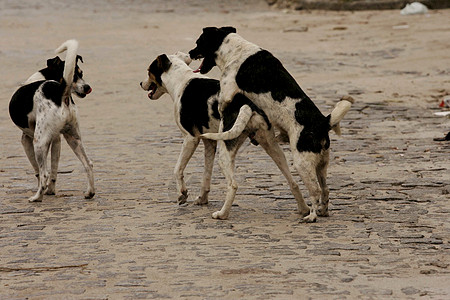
{"x": 388, "y": 232}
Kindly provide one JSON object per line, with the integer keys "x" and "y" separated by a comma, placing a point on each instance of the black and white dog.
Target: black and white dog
{"x": 195, "y": 97}
{"x": 43, "y": 109}
{"x": 250, "y": 70}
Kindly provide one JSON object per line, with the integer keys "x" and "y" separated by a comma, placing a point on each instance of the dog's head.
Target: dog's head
{"x": 154, "y": 83}
{"x": 55, "y": 71}
{"x": 207, "y": 45}
{"x": 80, "y": 87}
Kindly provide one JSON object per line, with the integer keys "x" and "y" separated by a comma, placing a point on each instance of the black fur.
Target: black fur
{"x": 231, "y": 112}
{"x": 262, "y": 73}
{"x": 54, "y": 70}
{"x": 160, "y": 65}
{"x": 207, "y": 45}
{"x": 21, "y": 103}
{"x": 54, "y": 91}
{"x": 314, "y": 136}
{"x": 194, "y": 108}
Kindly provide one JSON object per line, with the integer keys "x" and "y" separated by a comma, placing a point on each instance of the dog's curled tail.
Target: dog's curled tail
{"x": 71, "y": 46}
{"x": 245, "y": 113}
{"x": 338, "y": 113}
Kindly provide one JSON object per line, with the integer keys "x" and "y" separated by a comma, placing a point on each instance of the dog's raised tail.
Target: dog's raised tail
{"x": 71, "y": 46}
{"x": 245, "y": 113}
{"x": 338, "y": 113}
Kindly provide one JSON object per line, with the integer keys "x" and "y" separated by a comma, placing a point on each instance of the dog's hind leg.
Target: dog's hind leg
{"x": 321, "y": 170}
{"x": 190, "y": 143}
{"x": 210, "y": 153}
{"x": 41, "y": 148}
{"x": 27, "y": 143}
{"x": 73, "y": 138}
{"x": 267, "y": 140}
{"x": 306, "y": 165}
{"x": 227, "y": 157}
{"x": 55, "y": 154}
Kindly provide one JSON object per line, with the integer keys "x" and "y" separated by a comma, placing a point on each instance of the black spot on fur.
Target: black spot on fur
{"x": 54, "y": 91}
{"x": 262, "y": 73}
{"x": 21, "y": 103}
{"x": 215, "y": 109}
{"x": 231, "y": 113}
{"x": 194, "y": 103}
{"x": 314, "y": 136}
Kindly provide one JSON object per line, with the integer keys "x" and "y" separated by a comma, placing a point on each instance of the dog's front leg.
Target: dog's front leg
{"x": 55, "y": 154}
{"x": 227, "y": 158}
{"x": 228, "y": 89}
{"x": 74, "y": 140}
{"x": 210, "y": 153}
{"x": 190, "y": 143}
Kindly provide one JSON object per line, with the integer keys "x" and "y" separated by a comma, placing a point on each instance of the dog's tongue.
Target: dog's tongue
{"x": 199, "y": 68}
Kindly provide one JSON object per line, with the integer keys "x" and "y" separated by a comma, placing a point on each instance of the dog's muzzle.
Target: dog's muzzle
{"x": 86, "y": 90}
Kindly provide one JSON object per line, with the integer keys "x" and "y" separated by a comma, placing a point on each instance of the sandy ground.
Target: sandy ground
{"x": 388, "y": 233}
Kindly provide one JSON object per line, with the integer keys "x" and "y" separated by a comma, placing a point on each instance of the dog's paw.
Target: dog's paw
{"x": 323, "y": 212}
{"x": 50, "y": 188}
{"x": 201, "y": 200}
{"x": 220, "y": 215}
{"x": 311, "y": 218}
{"x": 89, "y": 195}
{"x": 50, "y": 191}
{"x": 182, "y": 199}
{"x": 35, "y": 198}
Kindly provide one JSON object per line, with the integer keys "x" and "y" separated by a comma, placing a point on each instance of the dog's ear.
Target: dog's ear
{"x": 79, "y": 58}
{"x": 228, "y": 29}
{"x": 54, "y": 63}
{"x": 163, "y": 62}
{"x": 210, "y": 29}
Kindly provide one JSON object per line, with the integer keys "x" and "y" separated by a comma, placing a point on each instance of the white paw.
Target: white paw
{"x": 201, "y": 200}
{"x": 310, "y": 218}
{"x": 35, "y": 198}
{"x": 219, "y": 215}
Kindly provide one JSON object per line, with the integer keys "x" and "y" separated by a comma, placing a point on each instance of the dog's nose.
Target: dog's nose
{"x": 87, "y": 89}
{"x": 140, "y": 84}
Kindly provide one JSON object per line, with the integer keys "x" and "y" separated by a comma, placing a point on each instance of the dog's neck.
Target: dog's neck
{"x": 176, "y": 78}
{"x": 233, "y": 51}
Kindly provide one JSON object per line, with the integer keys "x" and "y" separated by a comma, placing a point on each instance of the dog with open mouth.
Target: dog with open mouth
{"x": 195, "y": 98}
{"x": 43, "y": 108}
{"x": 254, "y": 72}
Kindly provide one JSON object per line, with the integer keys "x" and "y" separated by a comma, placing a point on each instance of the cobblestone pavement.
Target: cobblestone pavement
{"x": 388, "y": 233}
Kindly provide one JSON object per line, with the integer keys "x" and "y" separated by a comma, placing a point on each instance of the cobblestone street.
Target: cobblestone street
{"x": 388, "y": 233}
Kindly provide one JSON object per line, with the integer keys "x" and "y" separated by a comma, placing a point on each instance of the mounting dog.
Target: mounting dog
{"x": 43, "y": 109}
{"x": 196, "y": 112}
{"x": 248, "y": 69}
